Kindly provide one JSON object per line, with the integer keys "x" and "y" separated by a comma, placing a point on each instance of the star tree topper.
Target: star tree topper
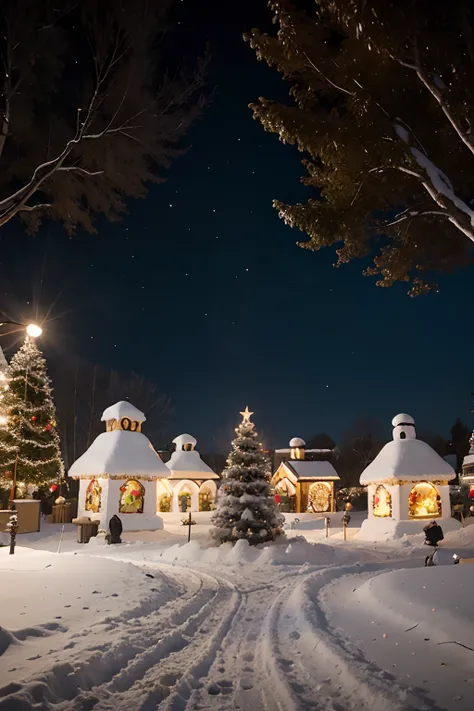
{"x": 246, "y": 415}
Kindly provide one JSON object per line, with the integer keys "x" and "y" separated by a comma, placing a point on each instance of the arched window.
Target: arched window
{"x": 93, "y": 496}
{"x": 319, "y": 497}
{"x": 205, "y": 499}
{"x": 382, "y": 503}
{"x": 165, "y": 503}
{"x": 424, "y": 501}
{"x": 132, "y": 497}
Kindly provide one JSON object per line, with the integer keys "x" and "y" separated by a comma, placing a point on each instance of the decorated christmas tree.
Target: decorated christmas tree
{"x": 246, "y": 507}
{"x": 29, "y": 442}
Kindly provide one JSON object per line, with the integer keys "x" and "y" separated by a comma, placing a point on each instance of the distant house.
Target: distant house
{"x": 305, "y": 478}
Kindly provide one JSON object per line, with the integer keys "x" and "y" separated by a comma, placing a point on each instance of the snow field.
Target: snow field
{"x": 411, "y": 624}
{"x": 279, "y": 627}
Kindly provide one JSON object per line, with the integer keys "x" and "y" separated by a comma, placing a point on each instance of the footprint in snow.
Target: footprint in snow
{"x": 246, "y": 684}
{"x": 213, "y": 689}
{"x": 169, "y": 679}
{"x": 248, "y": 657}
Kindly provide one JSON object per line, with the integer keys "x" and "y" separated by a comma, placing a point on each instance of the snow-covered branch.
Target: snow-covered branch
{"x": 439, "y": 187}
{"x": 436, "y": 91}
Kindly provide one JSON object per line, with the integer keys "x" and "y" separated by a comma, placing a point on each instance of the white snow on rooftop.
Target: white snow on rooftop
{"x": 468, "y": 459}
{"x": 123, "y": 409}
{"x": 297, "y": 442}
{"x": 402, "y": 419}
{"x": 305, "y": 469}
{"x": 407, "y": 460}
{"x": 189, "y": 465}
{"x": 120, "y": 453}
{"x": 183, "y": 439}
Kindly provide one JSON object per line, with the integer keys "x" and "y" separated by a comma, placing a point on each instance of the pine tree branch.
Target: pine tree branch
{"x": 436, "y": 93}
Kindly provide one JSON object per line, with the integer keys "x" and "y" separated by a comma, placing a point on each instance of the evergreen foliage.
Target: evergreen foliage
{"x": 382, "y": 107}
{"x": 30, "y": 431}
{"x": 245, "y": 505}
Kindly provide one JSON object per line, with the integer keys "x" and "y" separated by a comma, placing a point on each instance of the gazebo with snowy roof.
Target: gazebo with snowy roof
{"x": 188, "y": 476}
{"x": 118, "y": 473}
{"x": 308, "y": 484}
{"x": 408, "y": 486}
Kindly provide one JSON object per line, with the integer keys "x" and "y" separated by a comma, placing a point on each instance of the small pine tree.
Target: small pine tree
{"x": 246, "y": 507}
{"x": 29, "y": 440}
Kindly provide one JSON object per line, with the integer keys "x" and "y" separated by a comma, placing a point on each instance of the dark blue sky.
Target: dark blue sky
{"x": 203, "y": 289}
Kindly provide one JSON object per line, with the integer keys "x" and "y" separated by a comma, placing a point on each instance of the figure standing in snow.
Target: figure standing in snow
{"x": 433, "y": 534}
{"x": 183, "y": 500}
{"x": 115, "y": 530}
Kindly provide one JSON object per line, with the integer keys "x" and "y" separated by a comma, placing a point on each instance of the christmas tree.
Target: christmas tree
{"x": 246, "y": 507}
{"x": 29, "y": 442}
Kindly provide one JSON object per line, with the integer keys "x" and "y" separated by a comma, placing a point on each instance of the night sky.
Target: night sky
{"x": 202, "y": 288}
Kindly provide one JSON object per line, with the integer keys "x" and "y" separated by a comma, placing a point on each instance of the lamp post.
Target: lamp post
{"x": 32, "y": 329}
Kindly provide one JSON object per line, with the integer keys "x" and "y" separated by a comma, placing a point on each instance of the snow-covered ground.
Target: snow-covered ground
{"x": 309, "y": 623}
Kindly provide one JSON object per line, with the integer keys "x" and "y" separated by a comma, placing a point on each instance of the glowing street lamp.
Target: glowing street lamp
{"x": 33, "y": 330}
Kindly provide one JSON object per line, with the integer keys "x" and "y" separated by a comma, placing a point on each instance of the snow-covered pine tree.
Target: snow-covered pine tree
{"x": 246, "y": 507}
{"x": 29, "y": 440}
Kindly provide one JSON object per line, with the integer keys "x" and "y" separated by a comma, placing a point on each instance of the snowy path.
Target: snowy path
{"x": 250, "y": 636}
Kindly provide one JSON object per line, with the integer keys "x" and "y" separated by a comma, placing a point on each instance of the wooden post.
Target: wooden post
{"x": 13, "y": 526}
{"x": 189, "y": 527}
{"x": 13, "y": 489}
{"x": 61, "y": 539}
{"x": 344, "y": 524}
{"x": 327, "y": 523}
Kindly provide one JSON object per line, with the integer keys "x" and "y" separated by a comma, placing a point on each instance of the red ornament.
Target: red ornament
{"x": 53, "y": 487}
{"x": 33, "y": 419}
{"x": 47, "y": 428}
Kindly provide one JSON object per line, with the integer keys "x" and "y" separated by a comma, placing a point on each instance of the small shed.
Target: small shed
{"x": 307, "y": 484}
{"x": 407, "y": 485}
{"x": 118, "y": 474}
{"x": 188, "y": 477}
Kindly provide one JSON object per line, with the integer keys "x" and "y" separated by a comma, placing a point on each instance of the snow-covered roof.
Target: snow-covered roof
{"x": 189, "y": 465}
{"x": 451, "y": 459}
{"x": 306, "y": 469}
{"x": 402, "y": 419}
{"x": 468, "y": 459}
{"x": 407, "y": 460}
{"x": 120, "y": 453}
{"x": 122, "y": 409}
{"x": 286, "y": 450}
{"x": 183, "y": 439}
{"x": 297, "y": 442}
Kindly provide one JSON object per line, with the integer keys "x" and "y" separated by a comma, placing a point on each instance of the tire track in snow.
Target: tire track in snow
{"x": 168, "y": 627}
{"x": 324, "y": 670}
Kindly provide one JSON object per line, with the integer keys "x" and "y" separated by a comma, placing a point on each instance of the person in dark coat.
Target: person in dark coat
{"x": 115, "y": 528}
{"x": 433, "y": 534}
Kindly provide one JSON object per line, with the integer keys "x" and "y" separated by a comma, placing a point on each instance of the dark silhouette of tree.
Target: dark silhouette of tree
{"x": 382, "y": 107}
{"x": 89, "y": 116}
{"x": 361, "y": 444}
{"x": 460, "y": 436}
{"x": 320, "y": 441}
{"x": 436, "y": 442}
{"x": 83, "y": 391}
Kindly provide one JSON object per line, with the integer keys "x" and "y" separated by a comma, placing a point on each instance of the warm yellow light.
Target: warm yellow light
{"x": 3, "y": 420}
{"x": 33, "y": 330}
